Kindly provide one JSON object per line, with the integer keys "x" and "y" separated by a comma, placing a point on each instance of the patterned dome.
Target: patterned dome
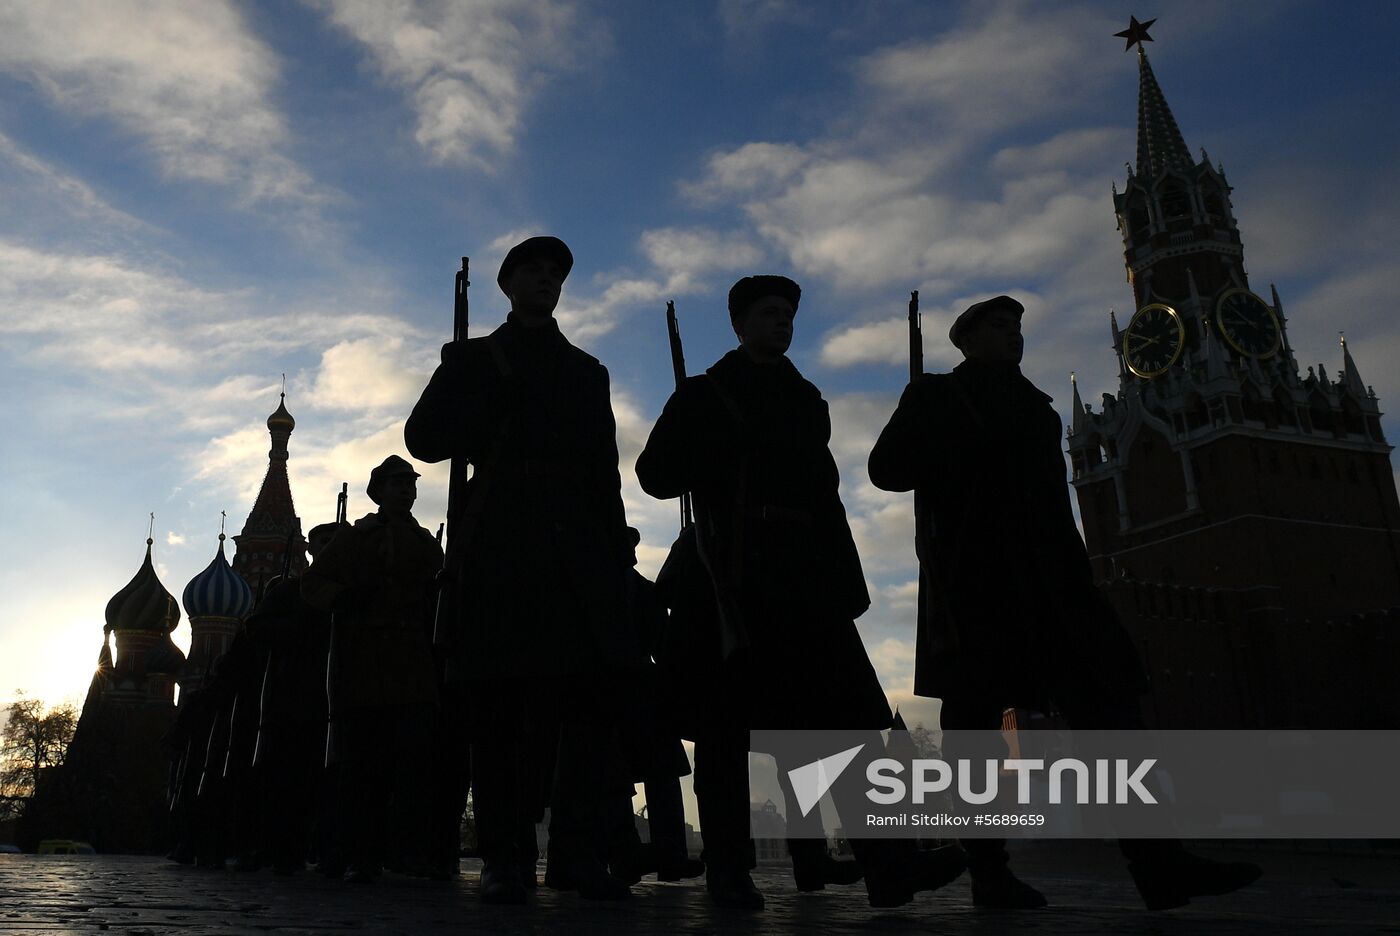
{"x": 144, "y": 604}
{"x": 218, "y": 591}
{"x": 165, "y": 658}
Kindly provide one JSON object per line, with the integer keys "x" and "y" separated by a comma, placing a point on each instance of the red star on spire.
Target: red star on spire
{"x": 1136, "y": 33}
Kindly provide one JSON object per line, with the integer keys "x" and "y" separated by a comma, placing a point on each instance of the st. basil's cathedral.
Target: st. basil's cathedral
{"x": 111, "y": 790}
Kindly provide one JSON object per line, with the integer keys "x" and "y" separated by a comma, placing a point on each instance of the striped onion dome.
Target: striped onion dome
{"x": 144, "y": 604}
{"x": 218, "y": 591}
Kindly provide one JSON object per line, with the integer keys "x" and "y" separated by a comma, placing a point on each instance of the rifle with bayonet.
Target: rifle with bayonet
{"x": 922, "y": 522}
{"x": 444, "y": 618}
{"x": 341, "y": 502}
{"x": 916, "y": 339}
{"x": 673, "y": 333}
{"x": 696, "y": 541}
{"x": 923, "y": 518}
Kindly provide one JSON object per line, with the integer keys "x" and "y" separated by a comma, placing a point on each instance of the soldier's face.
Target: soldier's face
{"x": 534, "y": 287}
{"x": 398, "y": 492}
{"x": 996, "y": 339}
{"x": 765, "y": 330}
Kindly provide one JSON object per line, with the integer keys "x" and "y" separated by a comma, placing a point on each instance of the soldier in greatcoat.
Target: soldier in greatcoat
{"x": 377, "y": 578}
{"x": 291, "y": 746}
{"x": 749, "y": 440}
{"x": 1008, "y": 611}
{"x": 535, "y": 599}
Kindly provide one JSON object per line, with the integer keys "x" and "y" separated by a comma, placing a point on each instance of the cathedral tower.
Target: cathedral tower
{"x": 272, "y": 526}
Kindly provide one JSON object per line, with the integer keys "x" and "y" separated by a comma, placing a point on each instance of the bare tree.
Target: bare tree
{"x": 35, "y": 737}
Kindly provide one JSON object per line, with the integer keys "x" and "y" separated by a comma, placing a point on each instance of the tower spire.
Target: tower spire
{"x": 263, "y": 541}
{"x": 1078, "y": 423}
{"x": 1351, "y": 377}
{"x": 1160, "y": 145}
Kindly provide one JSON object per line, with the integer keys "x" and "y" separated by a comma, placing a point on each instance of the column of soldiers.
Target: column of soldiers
{"x": 535, "y": 666}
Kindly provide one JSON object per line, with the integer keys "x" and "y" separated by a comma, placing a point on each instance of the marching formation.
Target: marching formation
{"x": 533, "y": 666}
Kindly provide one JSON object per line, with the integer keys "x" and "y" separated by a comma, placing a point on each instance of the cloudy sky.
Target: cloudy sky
{"x": 198, "y": 197}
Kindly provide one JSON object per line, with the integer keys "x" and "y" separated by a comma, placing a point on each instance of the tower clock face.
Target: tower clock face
{"x": 1248, "y": 323}
{"x": 1153, "y": 340}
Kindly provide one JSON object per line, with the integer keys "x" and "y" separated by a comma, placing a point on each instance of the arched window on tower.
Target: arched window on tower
{"x": 1215, "y": 209}
{"x": 1176, "y": 206}
{"x": 1139, "y": 221}
{"x": 1352, "y": 419}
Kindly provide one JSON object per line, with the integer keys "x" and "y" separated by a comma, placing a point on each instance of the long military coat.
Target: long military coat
{"x": 537, "y": 537}
{"x": 1006, "y": 595}
{"x": 377, "y": 580}
{"x": 750, "y": 442}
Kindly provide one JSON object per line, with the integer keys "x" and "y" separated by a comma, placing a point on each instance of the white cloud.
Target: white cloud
{"x": 188, "y": 78}
{"x": 999, "y": 68}
{"x": 72, "y": 193}
{"x": 469, "y": 69}
{"x": 174, "y": 539}
{"x": 681, "y": 262}
{"x": 367, "y": 374}
{"x": 750, "y": 168}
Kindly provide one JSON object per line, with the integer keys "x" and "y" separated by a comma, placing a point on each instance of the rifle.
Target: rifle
{"x": 341, "y": 501}
{"x": 673, "y": 333}
{"x": 697, "y": 530}
{"x": 444, "y": 616}
{"x": 287, "y": 556}
{"x": 459, "y": 303}
{"x": 923, "y": 520}
{"x": 916, "y": 339}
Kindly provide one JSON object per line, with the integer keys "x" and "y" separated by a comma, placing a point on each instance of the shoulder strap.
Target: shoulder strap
{"x": 961, "y": 392}
{"x": 725, "y": 398}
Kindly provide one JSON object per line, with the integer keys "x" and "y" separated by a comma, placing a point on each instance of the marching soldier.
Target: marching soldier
{"x": 291, "y": 745}
{"x": 535, "y": 599}
{"x": 377, "y": 579}
{"x": 1008, "y": 611}
{"x": 748, "y": 440}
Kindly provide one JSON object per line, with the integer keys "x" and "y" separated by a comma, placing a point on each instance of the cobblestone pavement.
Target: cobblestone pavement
{"x": 1086, "y": 882}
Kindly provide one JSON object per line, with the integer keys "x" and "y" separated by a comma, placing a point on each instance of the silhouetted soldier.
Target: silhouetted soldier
{"x": 377, "y": 579}
{"x": 1008, "y": 612}
{"x": 748, "y": 439}
{"x": 187, "y": 742}
{"x": 654, "y": 753}
{"x": 212, "y": 811}
{"x": 538, "y": 547}
{"x": 291, "y": 746}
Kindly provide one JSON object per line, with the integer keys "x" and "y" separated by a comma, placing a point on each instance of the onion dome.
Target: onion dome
{"x": 218, "y": 591}
{"x": 165, "y": 658}
{"x": 144, "y": 604}
{"x": 281, "y": 419}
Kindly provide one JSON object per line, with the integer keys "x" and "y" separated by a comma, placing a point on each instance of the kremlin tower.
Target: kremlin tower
{"x": 1243, "y": 514}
